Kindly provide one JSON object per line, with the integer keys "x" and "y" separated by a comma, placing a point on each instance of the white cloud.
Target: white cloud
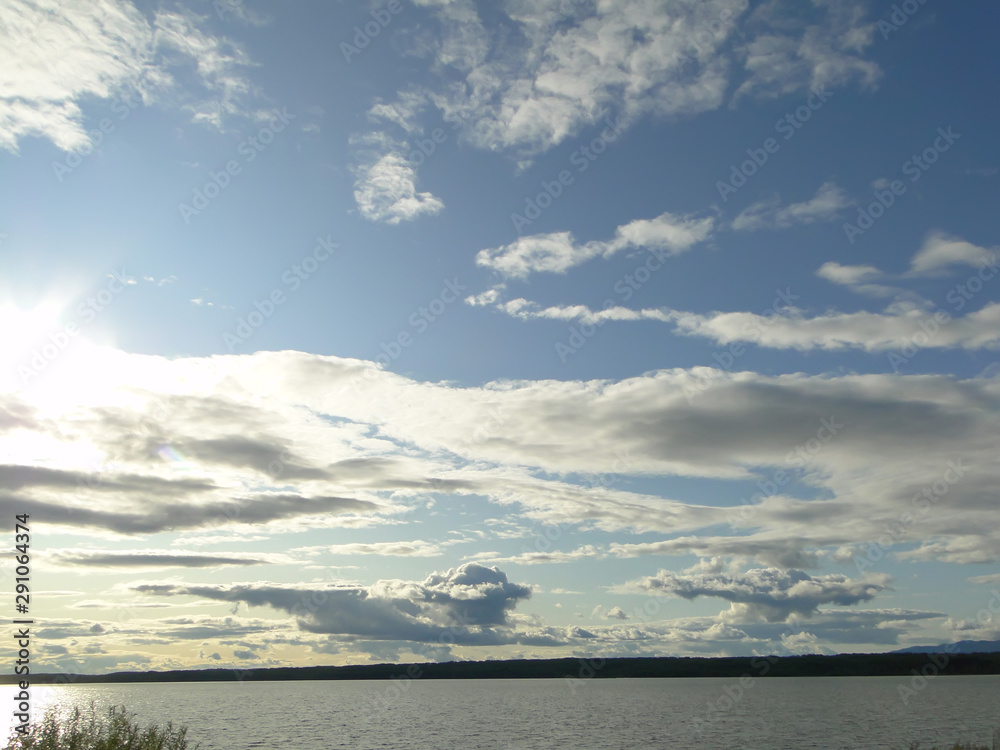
{"x": 539, "y": 558}
{"x": 630, "y": 56}
{"x": 472, "y": 604}
{"x": 154, "y": 443}
{"x": 778, "y": 552}
{"x": 828, "y": 201}
{"x": 385, "y": 188}
{"x": 526, "y": 310}
{"x": 558, "y": 252}
{"x": 940, "y": 252}
{"x": 763, "y": 594}
{"x": 416, "y": 548}
{"x": 847, "y": 275}
{"x": 576, "y": 63}
{"x": 786, "y": 51}
{"x": 577, "y": 66}
{"x": 834, "y": 331}
{"x": 152, "y": 558}
{"x": 54, "y": 56}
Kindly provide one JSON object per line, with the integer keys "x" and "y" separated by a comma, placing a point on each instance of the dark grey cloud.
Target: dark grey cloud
{"x": 470, "y": 604}
{"x": 20, "y": 477}
{"x": 882, "y": 627}
{"x": 379, "y": 472}
{"x": 265, "y": 455}
{"x": 157, "y": 516}
{"x": 16, "y": 415}
{"x": 130, "y": 559}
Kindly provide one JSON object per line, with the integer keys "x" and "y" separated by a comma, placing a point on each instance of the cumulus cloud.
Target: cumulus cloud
{"x": 768, "y": 594}
{"x": 577, "y": 62}
{"x": 470, "y": 604}
{"x": 847, "y": 275}
{"x": 575, "y": 66}
{"x": 385, "y": 186}
{"x": 860, "y": 279}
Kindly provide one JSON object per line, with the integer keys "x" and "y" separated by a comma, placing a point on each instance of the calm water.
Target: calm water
{"x": 774, "y": 713}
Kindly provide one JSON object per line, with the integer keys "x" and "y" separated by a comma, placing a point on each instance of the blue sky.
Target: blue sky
{"x": 450, "y": 330}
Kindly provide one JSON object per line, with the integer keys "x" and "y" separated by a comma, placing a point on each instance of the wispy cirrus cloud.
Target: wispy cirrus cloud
{"x": 56, "y": 56}
{"x": 558, "y": 252}
{"x": 417, "y": 548}
{"x": 827, "y": 203}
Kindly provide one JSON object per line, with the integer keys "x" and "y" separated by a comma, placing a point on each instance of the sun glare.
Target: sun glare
{"x": 44, "y": 354}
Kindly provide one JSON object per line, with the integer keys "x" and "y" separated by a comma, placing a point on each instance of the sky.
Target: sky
{"x": 429, "y": 330}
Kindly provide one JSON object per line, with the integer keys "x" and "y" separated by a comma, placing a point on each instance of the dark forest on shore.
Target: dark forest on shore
{"x": 838, "y": 665}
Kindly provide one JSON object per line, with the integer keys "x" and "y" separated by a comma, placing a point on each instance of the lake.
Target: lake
{"x": 825, "y": 713}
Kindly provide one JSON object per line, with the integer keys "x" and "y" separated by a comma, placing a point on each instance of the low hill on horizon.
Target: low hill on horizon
{"x": 959, "y": 647}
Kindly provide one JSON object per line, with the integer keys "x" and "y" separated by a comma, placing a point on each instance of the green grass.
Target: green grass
{"x": 87, "y": 730}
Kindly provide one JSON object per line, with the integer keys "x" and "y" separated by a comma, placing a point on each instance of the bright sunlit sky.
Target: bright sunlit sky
{"x": 443, "y": 329}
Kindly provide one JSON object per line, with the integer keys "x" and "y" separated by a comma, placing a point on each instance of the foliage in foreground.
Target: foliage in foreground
{"x": 90, "y": 731}
{"x": 995, "y": 745}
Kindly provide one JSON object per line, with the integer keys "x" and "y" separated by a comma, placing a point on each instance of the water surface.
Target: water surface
{"x": 824, "y": 713}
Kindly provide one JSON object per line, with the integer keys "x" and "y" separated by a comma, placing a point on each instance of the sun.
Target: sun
{"x": 26, "y": 334}
{"x": 44, "y": 353}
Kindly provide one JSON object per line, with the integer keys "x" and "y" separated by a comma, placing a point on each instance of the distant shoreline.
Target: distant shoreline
{"x": 838, "y": 665}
